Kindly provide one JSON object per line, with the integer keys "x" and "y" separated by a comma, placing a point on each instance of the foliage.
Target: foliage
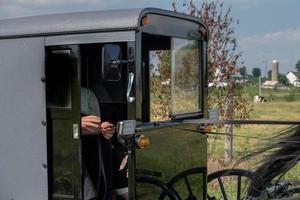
{"x": 160, "y": 90}
{"x": 179, "y": 93}
{"x": 185, "y": 80}
{"x": 223, "y": 58}
{"x": 256, "y": 72}
{"x": 223, "y": 63}
{"x": 243, "y": 71}
{"x": 270, "y": 74}
{"x": 298, "y": 66}
{"x": 282, "y": 79}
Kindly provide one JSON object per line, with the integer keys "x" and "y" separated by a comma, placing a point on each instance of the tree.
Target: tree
{"x": 282, "y": 79}
{"x": 298, "y": 66}
{"x": 270, "y": 74}
{"x": 256, "y": 72}
{"x": 243, "y": 71}
{"x": 224, "y": 58}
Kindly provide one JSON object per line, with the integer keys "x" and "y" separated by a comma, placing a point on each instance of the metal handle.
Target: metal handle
{"x": 129, "y": 87}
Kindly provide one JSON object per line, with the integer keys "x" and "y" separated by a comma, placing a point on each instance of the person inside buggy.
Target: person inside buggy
{"x": 101, "y": 155}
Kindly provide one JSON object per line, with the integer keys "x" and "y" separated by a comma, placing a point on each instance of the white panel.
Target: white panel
{"x": 23, "y": 147}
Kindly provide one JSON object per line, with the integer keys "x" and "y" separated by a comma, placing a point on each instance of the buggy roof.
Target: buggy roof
{"x": 81, "y": 22}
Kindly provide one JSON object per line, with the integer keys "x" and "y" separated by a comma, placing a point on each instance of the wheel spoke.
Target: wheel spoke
{"x": 176, "y": 194}
{"x": 210, "y": 198}
{"x": 222, "y": 188}
{"x": 239, "y": 187}
{"x": 188, "y": 186}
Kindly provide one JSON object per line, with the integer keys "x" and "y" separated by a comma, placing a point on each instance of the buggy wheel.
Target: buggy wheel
{"x": 186, "y": 191}
{"x": 147, "y": 179}
{"x": 225, "y": 180}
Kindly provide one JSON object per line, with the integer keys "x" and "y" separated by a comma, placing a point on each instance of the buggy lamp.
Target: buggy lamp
{"x": 205, "y": 127}
{"x": 142, "y": 141}
{"x": 126, "y": 127}
{"x": 145, "y": 21}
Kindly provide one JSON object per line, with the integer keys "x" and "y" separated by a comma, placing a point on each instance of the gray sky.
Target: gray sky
{"x": 268, "y": 29}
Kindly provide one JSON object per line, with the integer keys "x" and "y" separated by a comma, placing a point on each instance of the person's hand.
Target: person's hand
{"x": 90, "y": 124}
{"x": 107, "y": 130}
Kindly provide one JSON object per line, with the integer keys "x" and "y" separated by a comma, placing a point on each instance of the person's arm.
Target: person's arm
{"x": 90, "y": 124}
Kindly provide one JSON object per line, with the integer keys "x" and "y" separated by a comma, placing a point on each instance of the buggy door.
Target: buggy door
{"x": 173, "y": 89}
{"x": 63, "y": 112}
{"x": 177, "y": 153}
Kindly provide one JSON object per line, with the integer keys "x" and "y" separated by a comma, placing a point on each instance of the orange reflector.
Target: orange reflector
{"x": 206, "y": 128}
{"x": 145, "y": 21}
{"x": 143, "y": 141}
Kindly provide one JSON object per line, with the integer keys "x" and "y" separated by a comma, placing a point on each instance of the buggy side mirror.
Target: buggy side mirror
{"x": 111, "y": 68}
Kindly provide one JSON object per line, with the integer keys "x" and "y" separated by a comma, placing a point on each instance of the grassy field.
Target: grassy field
{"x": 280, "y": 105}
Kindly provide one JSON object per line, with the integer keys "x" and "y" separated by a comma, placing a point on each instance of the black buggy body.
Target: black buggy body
{"x": 146, "y": 65}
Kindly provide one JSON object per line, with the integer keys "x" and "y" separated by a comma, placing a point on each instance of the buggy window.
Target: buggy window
{"x": 185, "y": 76}
{"x": 60, "y": 65}
{"x": 174, "y": 80}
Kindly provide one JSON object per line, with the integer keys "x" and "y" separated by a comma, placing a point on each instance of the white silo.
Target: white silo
{"x": 275, "y": 66}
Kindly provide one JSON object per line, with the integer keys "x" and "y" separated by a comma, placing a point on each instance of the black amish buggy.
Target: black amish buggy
{"x": 147, "y": 68}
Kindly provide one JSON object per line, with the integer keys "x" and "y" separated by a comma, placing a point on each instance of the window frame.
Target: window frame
{"x": 145, "y": 74}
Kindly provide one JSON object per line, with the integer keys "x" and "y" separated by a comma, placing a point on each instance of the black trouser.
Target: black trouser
{"x": 102, "y": 163}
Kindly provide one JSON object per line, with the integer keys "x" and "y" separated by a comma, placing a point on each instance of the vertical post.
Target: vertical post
{"x": 228, "y": 148}
{"x": 131, "y": 168}
{"x": 228, "y": 155}
{"x": 259, "y": 86}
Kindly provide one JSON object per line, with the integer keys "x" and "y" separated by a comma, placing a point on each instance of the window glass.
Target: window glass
{"x": 59, "y": 75}
{"x": 174, "y": 80}
{"x": 185, "y": 76}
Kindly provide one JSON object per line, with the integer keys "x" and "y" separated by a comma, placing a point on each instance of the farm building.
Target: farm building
{"x": 293, "y": 78}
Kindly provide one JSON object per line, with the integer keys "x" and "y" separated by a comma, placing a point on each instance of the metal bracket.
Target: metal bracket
{"x": 75, "y": 131}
